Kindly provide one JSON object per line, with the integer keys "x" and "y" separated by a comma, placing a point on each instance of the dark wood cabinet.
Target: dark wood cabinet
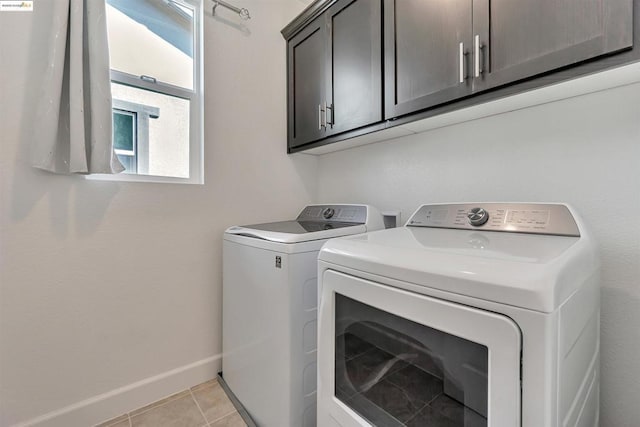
{"x": 359, "y": 66}
{"x": 427, "y": 45}
{"x": 519, "y": 39}
{"x": 307, "y": 79}
{"x": 335, "y": 72}
{"x": 355, "y": 62}
{"x": 440, "y": 51}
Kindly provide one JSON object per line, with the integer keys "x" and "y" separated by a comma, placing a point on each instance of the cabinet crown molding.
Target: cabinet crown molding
{"x": 311, "y": 12}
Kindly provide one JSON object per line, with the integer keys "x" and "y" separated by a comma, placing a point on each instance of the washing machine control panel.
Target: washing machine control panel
{"x": 356, "y": 214}
{"x": 535, "y": 218}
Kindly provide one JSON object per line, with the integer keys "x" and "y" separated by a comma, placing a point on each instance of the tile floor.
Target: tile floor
{"x": 205, "y": 405}
{"x": 404, "y": 396}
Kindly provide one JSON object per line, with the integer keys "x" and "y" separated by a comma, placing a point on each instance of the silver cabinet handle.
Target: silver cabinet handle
{"x": 477, "y": 47}
{"x": 322, "y": 116}
{"x": 327, "y": 109}
{"x": 461, "y": 59}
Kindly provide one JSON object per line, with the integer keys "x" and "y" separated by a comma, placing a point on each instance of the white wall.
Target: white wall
{"x": 584, "y": 151}
{"x": 112, "y": 290}
{"x": 114, "y": 287}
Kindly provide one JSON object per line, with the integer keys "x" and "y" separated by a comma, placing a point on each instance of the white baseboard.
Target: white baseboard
{"x": 97, "y": 409}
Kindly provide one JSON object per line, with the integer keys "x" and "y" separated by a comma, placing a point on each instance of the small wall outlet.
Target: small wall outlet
{"x": 391, "y": 219}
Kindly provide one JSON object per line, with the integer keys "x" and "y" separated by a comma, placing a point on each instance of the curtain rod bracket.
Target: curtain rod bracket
{"x": 242, "y": 12}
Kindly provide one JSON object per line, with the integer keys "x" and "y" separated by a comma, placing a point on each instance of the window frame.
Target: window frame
{"x": 142, "y": 114}
{"x": 134, "y": 131}
{"x": 195, "y": 97}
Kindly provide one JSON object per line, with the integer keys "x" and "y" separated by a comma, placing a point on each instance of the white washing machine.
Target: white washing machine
{"x": 269, "y": 308}
{"x": 483, "y": 314}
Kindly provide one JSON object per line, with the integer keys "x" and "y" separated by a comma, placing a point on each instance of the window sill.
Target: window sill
{"x": 125, "y": 177}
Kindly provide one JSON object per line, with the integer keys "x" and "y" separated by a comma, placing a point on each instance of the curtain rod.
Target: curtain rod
{"x": 244, "y": 13}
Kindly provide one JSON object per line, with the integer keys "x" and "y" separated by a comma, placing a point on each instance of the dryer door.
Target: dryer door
{"x": 389, "y": 357}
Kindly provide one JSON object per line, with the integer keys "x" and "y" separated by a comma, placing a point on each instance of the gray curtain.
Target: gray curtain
{"x": 73, "y": 130}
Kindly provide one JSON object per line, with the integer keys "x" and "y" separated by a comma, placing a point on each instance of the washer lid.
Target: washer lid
{"x": 297, "y": 231}
{"x": 536, "y": 272}
{"x": 316, "y": 222}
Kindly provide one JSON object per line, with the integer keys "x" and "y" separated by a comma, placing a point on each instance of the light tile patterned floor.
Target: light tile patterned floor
{"x": 205, "y": 405}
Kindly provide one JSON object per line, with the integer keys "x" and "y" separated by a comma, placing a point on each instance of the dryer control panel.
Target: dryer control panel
{"x": 535, "y": 218}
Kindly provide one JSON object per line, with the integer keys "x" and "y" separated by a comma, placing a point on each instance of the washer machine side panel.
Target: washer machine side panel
{"x": 579, "y": 356}
{"x": 303, "y": 315}
{"x": 255, "y": 337}
{"x": 269, "y": 335}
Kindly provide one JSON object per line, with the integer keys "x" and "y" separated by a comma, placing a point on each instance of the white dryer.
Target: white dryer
{"x": 269, "y": 310}
{"x": 483, "y": 314}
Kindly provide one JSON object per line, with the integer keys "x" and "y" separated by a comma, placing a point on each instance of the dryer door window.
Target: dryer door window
{"x": 389, "y": 357}
{"x": 393, "y": 371}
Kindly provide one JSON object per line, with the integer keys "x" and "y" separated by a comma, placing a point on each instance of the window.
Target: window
{"x": 156, "y": 83}
{"x": 131, "y": 135}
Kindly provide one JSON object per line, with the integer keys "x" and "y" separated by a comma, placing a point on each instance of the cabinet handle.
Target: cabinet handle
{"x": 329, "y": 108}
{"x": 324, "y": 115}
{"x": 320, "y": 110}
{"x": 461, "y": 59}
{"x": 478, "y": 48}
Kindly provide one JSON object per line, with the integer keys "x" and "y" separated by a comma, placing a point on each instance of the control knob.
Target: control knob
{"x": 478, "y": 216}
{"x": 328, "y": 213}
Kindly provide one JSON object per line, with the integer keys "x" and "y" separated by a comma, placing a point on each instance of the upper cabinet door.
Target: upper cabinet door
{"x": 354, "y": 82}
{"x": 306, "y": 92}
{"x": 427, "y": 45}
{"x": 515, "y": 39}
